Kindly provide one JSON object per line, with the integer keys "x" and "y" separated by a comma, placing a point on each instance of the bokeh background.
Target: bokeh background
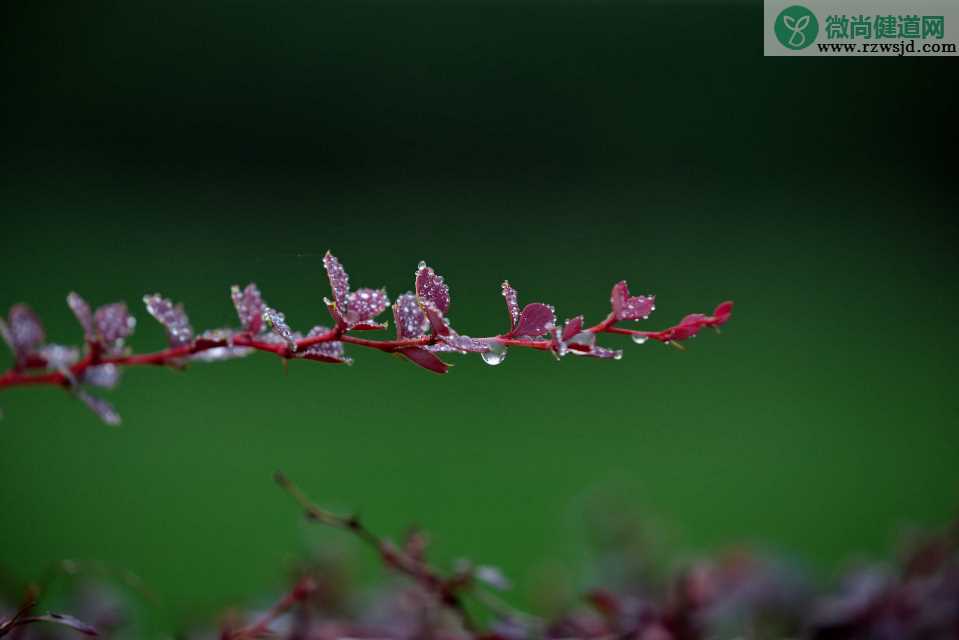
{"x": 563, "y": 145}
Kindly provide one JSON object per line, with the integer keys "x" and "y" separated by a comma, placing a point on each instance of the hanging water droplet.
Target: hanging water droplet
{"x": 421, "y": 265}
{"x": 638, "y": 339}
{"x": 495, "y": 355}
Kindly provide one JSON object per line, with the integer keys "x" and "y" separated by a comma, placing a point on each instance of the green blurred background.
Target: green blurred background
{"x": 563, "y": 145}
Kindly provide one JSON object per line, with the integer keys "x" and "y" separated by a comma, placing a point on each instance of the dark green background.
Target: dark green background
{"x": 147, "y": 147}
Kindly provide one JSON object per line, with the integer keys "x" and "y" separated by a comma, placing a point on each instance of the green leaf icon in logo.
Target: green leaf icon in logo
{"x": 796, "y": 27}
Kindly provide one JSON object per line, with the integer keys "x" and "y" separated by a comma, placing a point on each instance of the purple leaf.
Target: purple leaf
{"x": 331, "y": 351}
{"x": 722, "y": 313}
{"x": 626, "y": 307}
{"x": 249, "y": 307}
{"x": 22, "y": 331}
{"x": 82, "y": 311}
{"x": 512, "y": 304}
{"x": 369, "y": 326}
{"x": 339, "y": 280}
{"x": 440, "y": 325}
{"x": 354, "y": 310}
{"x": 172, "y": 317}
{"x": 62, "y": 619}
{"x": 365, "y": 304}
{"x": 536, "y": 319}
{"x": 442, "y": 347}
{"x": 424, "y": 358}
{"x": 601, "y": 352}
{"x": 431, "y": 288}
{"x": 18, "y": 618}
{"x": 101, "y": 407}
{"x": 410, "y": 320}
{"x": 218, "y": 346}
{"x": 60, "y": 357}
{"x": 572, "y": 327}
{"x": 105, "y": 376}
{"x": 582, "y": 343}
{"x": 465, "y": 343}
{"x": 689, "y": 326}
{"x": 113, "y": 324}
{"x": 276, "y": 322}
{"x": 338, "y": 318}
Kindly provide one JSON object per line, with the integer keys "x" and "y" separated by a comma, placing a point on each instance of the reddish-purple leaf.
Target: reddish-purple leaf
{"x": 431, "y": 288}
{"x": 465, "y": 344}
{"x": 722, "y": 313}
{"x": 601, "y": 352}
{"x": 84, "y": 315}
{"x": 572, "y": 327}
{"x": 365, "y": 304}
{"x": 439, "y": 324}
{"x": 276, "y": 322}
{"x": 249, "y": 307}
{"x": 62, "y": 619}
{"x": 22, "y": 331}
{"x": 424, "y": 358}
{"x": 331, "y": 351}
{"x": 218, "y": 346}
{"x": 512, "y": 304}
{"x": 339, "y": 280}
{"x": 626, "y": 307}
{"x": 410, "y": 320}
{"x": 582, "y": 343}
{"x": 688, "y": 327}
{"x": 692, "y": 324}
{"x": 101, "y": 407}
{"x": 172, "y": 317}
{"x": 583, "y": 338}
{"x": 334, "y": 310}
{"x": 113, "y": 324}
{"x": 536, "y": 319}
{"x": 355, "y": 310}
{"x": 369, "y": 326}
{"x": 442, "y": 347}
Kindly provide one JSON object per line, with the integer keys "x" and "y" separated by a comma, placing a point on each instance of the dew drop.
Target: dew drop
{"x": 495, "y": 355}
{"x": 638, "y": 339}
{"x": 421, "y": 265}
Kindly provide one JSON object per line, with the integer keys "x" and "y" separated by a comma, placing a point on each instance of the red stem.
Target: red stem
{"x": 172, "y": 356}
{"x": 300, "y": 592}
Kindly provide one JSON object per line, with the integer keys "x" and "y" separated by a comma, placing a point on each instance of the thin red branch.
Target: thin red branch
{"x": 174, "y": 356}
{"x": 302, "y": 590}
{"x": 444, "y": 589}
{"x": 531, "y": 327}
